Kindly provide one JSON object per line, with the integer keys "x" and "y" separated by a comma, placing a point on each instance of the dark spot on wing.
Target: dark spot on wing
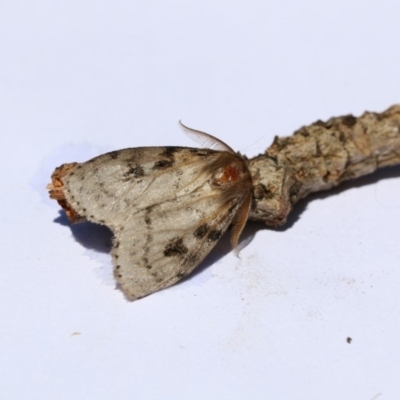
{"x": 136, "y": 171}
{"x": 175, "y": 248}
{"x": 156, "y": 276}
{"x": 169, "y": 151}
{"x": 163, "y": 164}
{"x": 146, "y": 263}
{"x": 201, "y": 231}
{"x": 147, "y": 219}
{"x": 201, "y": 152}
{"x": 214, "y": 235}
{"x": 149, "y": 208}
{"x": 114, "y": 154}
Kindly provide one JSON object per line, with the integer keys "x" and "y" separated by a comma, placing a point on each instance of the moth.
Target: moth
{"x": 168, "y": 206}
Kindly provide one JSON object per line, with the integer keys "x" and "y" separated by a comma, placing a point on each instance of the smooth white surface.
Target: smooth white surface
{"x": 80, "y": 78}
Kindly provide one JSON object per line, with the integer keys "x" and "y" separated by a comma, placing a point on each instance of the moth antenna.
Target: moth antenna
{"x": 205, "y": 139}
{"x": 239, "y": 223}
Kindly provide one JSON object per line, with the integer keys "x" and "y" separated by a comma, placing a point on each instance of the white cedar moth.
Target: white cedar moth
{"x": 167, "y": 206}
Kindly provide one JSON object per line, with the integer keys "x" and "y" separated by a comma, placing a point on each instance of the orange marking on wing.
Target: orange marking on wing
{"x": 229, "y": 174}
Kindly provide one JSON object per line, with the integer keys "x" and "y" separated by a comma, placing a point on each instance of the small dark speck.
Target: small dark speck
{"x": 136, "y": 171}
{"x": 114, "y": 154}
{"x": 214, "y": 235}
{"x": 349, "y": 340}
{"x": 175, "y": 247}
{"x": 201, "y": 231}
{"x": 162, "y": 164}
{"x": 169, "y": 151}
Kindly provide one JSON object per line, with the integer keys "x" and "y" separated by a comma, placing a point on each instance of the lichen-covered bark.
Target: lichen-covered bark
{"x": 320, "y": 156}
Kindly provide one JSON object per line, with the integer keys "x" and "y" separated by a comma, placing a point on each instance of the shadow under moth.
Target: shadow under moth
{"x": 168, "y": 206}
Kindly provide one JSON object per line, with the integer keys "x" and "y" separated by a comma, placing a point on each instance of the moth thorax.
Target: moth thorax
{"x": 226, "y": 175}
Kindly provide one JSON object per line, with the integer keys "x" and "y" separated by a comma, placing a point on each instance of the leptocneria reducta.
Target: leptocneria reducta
{"x": 168, "y": 206}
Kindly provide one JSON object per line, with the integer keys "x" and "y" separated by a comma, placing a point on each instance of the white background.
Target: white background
{"x": 78, "y": 78}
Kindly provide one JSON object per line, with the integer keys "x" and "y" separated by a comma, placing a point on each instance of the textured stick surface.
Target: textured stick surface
{"x": 320, "y": 156}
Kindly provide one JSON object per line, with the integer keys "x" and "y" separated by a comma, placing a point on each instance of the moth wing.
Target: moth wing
{"x": 159, "y": 246}
{"x": 166, "y": 206}
{"x": 109, "y": 188}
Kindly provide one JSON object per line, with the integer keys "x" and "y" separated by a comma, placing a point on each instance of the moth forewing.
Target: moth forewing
{"x": 108, "y": 188}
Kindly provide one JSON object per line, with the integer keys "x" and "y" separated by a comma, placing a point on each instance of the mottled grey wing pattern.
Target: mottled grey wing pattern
{"x": 160, "y": 245}
{"x": 109, "y": 188}
{"x": 163, "y": 205}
